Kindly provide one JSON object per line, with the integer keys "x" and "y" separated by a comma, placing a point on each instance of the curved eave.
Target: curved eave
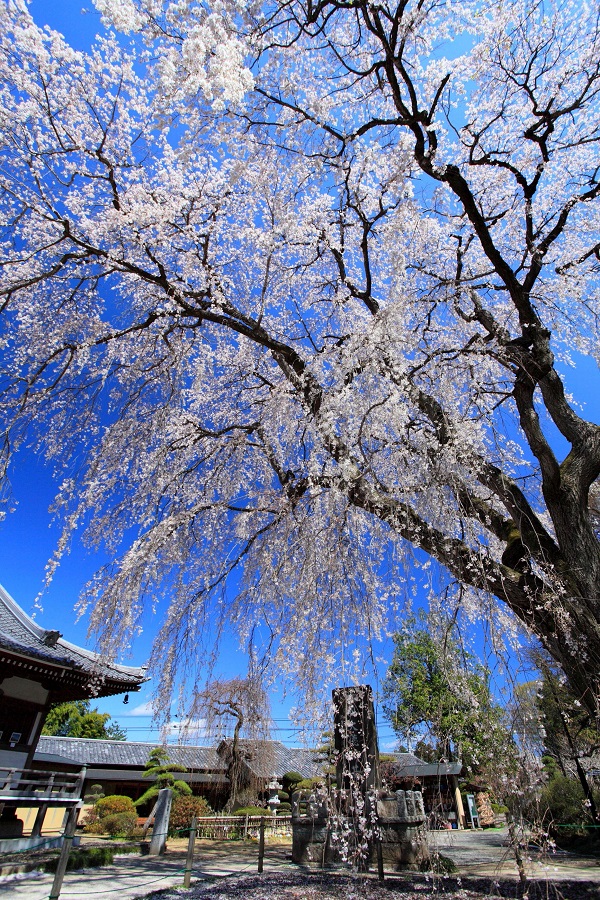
{"x": 64, "y": 680}
{"x": 61, "y": 656}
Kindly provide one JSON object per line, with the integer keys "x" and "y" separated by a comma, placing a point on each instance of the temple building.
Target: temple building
{"x": 38, "y": 668}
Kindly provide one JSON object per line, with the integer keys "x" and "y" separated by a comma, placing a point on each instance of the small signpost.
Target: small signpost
{"x": 473, "y": 812}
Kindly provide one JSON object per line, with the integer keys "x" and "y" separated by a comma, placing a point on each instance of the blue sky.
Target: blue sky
{"x": 28, "y": 539}
{"x": 28, "y": 536}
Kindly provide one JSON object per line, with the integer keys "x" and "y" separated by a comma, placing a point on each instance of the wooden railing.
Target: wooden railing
{"x": 37, "y": 786}
{"x": 223, "y": 828}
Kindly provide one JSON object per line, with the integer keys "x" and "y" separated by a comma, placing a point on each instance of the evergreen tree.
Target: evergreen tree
{"x": 429, "y": 696}
{"x": 75, "y": 718}
{"x": 160, "y": 767}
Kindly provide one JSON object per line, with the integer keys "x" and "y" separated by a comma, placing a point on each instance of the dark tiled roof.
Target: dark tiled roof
{"x": 88, "y": 752}
{"x": 411, "y": 766}
{"x": 20, "y": 635}
{"x": 267, "y": 758}
{"x": 407, "y": 759}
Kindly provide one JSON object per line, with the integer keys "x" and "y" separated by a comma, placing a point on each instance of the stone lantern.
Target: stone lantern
{"x": 274, "y": 787}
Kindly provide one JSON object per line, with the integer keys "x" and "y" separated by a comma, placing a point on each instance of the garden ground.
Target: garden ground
{"x": 228, "y": 870}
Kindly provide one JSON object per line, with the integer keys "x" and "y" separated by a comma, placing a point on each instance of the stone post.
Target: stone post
{"x": 158, "y": 840}
{"x": 355, "y": 738}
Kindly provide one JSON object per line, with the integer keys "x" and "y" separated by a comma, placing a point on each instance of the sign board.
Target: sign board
{"x": 473, "y": 812}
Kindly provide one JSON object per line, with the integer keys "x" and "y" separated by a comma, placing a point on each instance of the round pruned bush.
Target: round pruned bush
{"x": 289, "y": 780}
{"x": 93, "y": 825}
{"x": 308, "y": 784}
{"x": 114, "y": 804}
{"x": 120, "y": 824}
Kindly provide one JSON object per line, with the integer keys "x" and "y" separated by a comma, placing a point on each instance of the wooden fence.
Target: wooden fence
{"x": 234, "y": 828}
{"x": 32, "y": 787}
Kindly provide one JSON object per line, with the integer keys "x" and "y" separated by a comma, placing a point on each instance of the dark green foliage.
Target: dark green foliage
{"x": 429, "y": 693}
{"x": 283, "y": 796}
{"x": 439, "y": 864}
{"x": 183, "y": 810}
{"x": 499, "y": 808}
{"x": 289, "y": 780}
{"x": 324, "y": 754}
{"x": 284, "y": 809}
{"x": 562, "y": 802}
{"x": 85, "y": 858}
{"x": 252, "y": 811}
{"x": 307, "y": 784}
{"x": 76, "y": 718}
{"x": 426, "y": 751}
{"x": 160, "y": 767}
{"x": 120, "y": 824}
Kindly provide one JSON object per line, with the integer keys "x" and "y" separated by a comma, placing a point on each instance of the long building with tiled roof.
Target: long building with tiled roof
{"x": 132, "y": 754}
{"x": 264, "y": 759}
{"x": 118, "y": 765}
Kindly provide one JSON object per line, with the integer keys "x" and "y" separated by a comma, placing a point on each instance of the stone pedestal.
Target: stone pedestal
{"x": 343, "y": 827}
{"x": 401, "y": 820}
{"x": 321, "y": 840}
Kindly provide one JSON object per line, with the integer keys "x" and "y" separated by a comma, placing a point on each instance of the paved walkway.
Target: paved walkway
{"x": 487, "y": 853}
{"x": 479, "y": 853}
{"x": 131, "y": 876}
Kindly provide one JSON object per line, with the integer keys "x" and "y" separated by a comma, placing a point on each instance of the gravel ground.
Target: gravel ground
{"x": 290, "y": 886}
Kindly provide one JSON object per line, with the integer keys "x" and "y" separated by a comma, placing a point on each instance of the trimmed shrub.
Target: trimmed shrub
{"x": 114, "y": 804}
{"x": 284, "y": 809}
{"x": 308, "y": 784}
{"x": 94, "y": 794}
{"x": 120, "y": 824}
{"x": 290, "y": 779}
{"x": 93, "y": 825}
{"x": 84, "y": 858}
{"x": 252, "y": 811}
{"x": 184, "y": 809}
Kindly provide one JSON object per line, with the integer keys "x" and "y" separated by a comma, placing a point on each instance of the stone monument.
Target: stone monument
{"x": 343, "y": 826}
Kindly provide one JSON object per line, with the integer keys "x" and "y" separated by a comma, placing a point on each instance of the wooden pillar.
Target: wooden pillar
{"x": 261, "y": 845}
{"x": 72, "y": 815}
{"x": 39, "y": 820}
